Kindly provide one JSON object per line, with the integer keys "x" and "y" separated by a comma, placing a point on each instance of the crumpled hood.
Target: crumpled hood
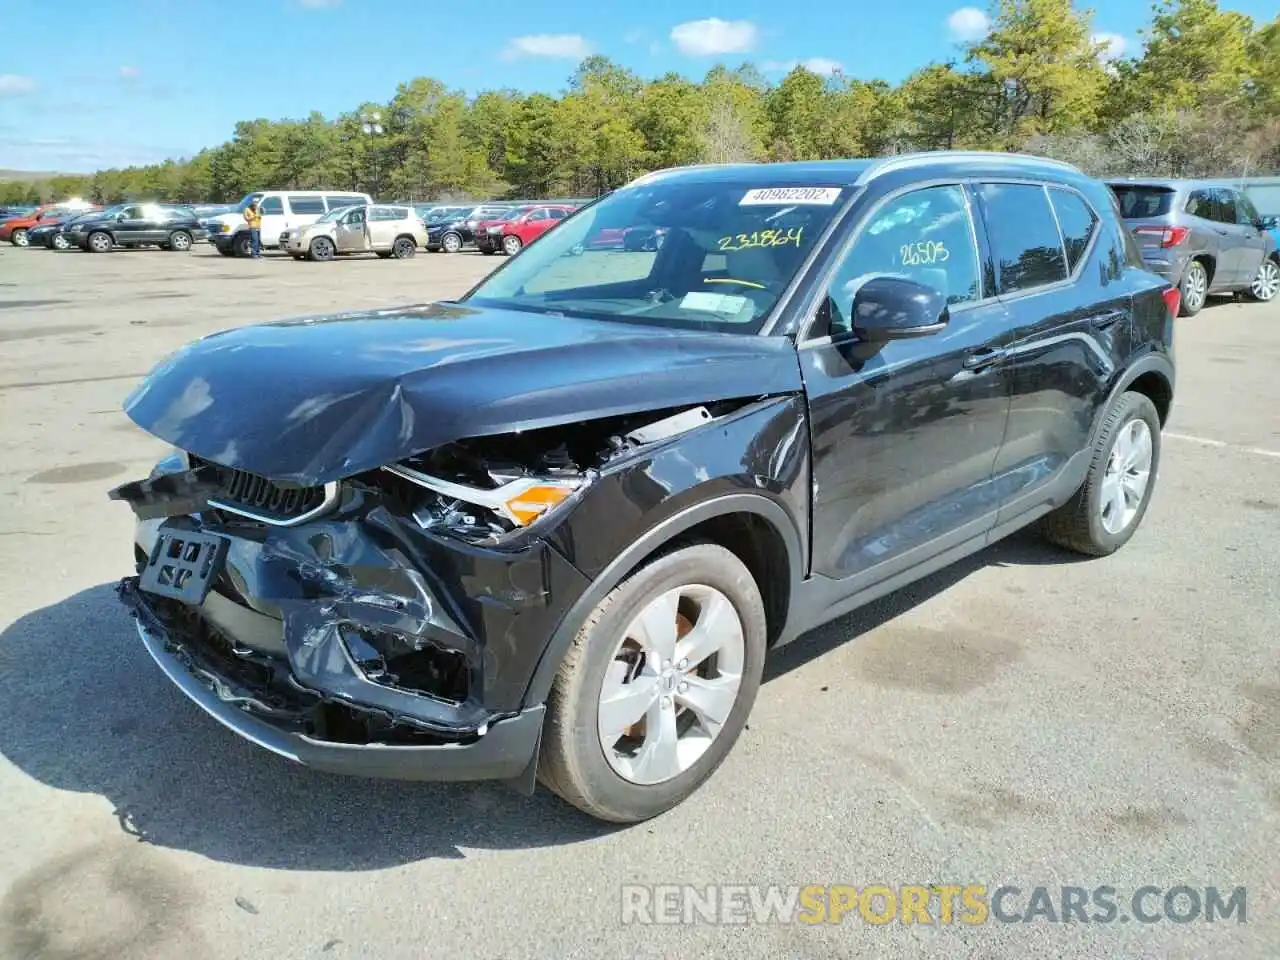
{"x": 319, "y": 398}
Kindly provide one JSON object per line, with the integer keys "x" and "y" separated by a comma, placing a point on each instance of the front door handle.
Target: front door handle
{"x": 982, "y": 358}
{"x": 1103, "y": 320}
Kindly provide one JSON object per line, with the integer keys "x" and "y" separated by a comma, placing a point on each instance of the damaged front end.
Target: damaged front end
{"x": 387, "y": 624}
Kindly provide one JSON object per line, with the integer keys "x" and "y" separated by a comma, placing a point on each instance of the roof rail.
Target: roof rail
{"x": 907, "y": 160}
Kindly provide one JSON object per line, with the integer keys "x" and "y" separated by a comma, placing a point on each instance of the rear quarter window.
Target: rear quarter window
{"x": 306, "y": 205}
{"x": 1024, "y": 236}
{"x": 1266, "y": 197}
{"x": 1077, "y": 222}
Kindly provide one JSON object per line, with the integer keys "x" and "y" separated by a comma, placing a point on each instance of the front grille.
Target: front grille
{"x": 271, "y": 500}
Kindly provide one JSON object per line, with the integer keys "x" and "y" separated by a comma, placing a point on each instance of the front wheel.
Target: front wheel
{"x": 656, "y": 686}
{"x": 99, "y": 242}
{"x": 404, "y": 248}
{"x": 1266, "y": 282}
{"x": 511, "y": 245}
{"x": 1107, "y": 509}
{"x": 179, "y": 240}
{"x": 19, "y": 238}
{"x": 1194, "y": 289}
{"x": 452, "y": 242}
{"x": 59, "y": 242}
{"x": 243, "y": 245}
{"x": 322, "y": 248}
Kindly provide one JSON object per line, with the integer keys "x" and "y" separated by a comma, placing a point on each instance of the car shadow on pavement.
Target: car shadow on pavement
{"x": 83, "y": 708}
{"x": 1023, "y": 548}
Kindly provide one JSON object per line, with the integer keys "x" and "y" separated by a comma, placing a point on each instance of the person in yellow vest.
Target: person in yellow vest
{"x": 253, "y": 217}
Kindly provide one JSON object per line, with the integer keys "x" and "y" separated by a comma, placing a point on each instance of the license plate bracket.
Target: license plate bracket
{"x": 183, "y": 564}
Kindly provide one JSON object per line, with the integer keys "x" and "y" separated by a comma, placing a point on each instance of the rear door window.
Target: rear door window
{"x": 1223, "y": 207}
{"x": 1077, "y": 221}
{"x": 271, "y": 205}
{"x": 306, "y": 205}
{"x": 344, "y": 201}
{"x": 1024, "y": 236}
{"x": 1141, "y": 201}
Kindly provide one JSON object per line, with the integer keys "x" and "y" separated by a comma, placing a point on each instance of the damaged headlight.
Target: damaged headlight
{"x": 520, "y": 501}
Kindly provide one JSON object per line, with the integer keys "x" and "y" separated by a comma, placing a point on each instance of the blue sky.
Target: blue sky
{"x": 86, "y": 85}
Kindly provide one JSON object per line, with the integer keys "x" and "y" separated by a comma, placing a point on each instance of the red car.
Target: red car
{"x": 15, "y": 230}
{"x": 521, "y": 228}
{"x": 488, "y": 233}
{"x": 626, "y": 238}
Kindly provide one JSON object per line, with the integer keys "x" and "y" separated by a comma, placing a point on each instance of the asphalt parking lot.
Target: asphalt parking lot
{"x": 1025, "y": 719}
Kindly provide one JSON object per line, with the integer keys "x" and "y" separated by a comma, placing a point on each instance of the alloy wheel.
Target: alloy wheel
{"x": 19, "y": 238}
{"x": 511, "y": 245}
{"x": 100, "y": 242}
{"x": 1128, "y": 474}
{"x": 404, "y": 249}
{"x": 452, "y": 243}
{"x": 60, "y": 242}
{"x": 1196, "y": 285}
{"x": 180, "y": 242}
{"x": 672, "y": 684}
{"x": 1267, "y": 282}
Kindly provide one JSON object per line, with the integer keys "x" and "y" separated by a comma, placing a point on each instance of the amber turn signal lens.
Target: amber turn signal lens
{"x": 534, "y": 502}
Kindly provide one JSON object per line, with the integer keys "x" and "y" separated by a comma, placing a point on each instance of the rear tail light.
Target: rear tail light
{"x": 1165, "y": 236}
{"x": 1172, "y": 300}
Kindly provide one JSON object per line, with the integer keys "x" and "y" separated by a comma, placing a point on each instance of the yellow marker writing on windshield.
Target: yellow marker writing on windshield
{"x": 759, "y": 239}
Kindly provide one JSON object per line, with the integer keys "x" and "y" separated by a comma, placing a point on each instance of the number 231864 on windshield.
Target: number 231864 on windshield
{"x": 760, "y": 238}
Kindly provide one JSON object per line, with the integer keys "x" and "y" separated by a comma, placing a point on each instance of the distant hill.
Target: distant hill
{"x": 32, "y": 174}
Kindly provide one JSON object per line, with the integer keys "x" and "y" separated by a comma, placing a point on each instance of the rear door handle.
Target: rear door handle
{"x": 982, "y": 357}
{"x": 1103, "y": 320}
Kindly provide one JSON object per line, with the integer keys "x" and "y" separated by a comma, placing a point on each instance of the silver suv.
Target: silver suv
{"x": 1203, "y": 235}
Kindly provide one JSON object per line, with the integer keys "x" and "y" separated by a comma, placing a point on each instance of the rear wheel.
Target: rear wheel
{"x": 451, "y": 242}
{"x": 404, "y": 248}
{"x": 1107, "y": 509}
{"x": 511, "y": 245}
{"x": 1194, "y": 289}
{"x": 656, "y": 687}
{"x": 179, "y": 240}
{"x": 1266, "y": 282}
{"x": 99, "y": 242}
{"x": 19, "y": 237}
{"x": 322, "y": 248}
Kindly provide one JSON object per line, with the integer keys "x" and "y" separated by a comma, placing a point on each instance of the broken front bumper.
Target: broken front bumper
{"x": 505, "y": 750}
{"x": 356, "y": 644}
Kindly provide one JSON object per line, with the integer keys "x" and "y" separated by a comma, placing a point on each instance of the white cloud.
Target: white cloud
{"x": 822, "y": 66}
{"x": 1113, "y": 45}
{"x": 562, "y": 46}
{"x": 13, "y": 85}
{"x": 130, "y": 73}
{"x": 712, "y": 37}
{"x": 968, "y": 24}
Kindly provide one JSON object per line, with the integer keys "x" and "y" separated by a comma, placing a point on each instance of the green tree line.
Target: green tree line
{"x": 1201, "y": 97}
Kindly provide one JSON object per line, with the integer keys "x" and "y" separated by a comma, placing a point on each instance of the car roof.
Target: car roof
{"x": 860, "y": 171}
{"x": 1166, "y": 183}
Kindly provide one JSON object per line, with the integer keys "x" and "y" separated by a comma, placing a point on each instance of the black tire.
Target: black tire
{"x": 451, "y": 242}
{"x": 322, "y": 248}
{"x": 404, "y": 248}
{"x": 19, "y": 237}
{"x": 511, "y": 245}
{"x": 98, "y": 242}
{"x": 488, "y": 251}
{"x": 1195, "y": 272}
{"x": 1266, "y": 282}
{"x": 179, "y": 241}
{"x": 383, "y": 254}
{"x": 571, "y": 762}
{"x": 226, "y": 251}
{"x": 242, "y": 246}
{"x": 1077, "y": 524}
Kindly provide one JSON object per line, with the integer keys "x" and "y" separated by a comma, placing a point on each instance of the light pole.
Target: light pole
{"x": 371, "y": 125}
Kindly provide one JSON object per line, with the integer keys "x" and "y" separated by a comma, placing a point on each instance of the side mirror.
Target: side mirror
{"x": 890, "y": 308}
{"x": 1268, "y": 222}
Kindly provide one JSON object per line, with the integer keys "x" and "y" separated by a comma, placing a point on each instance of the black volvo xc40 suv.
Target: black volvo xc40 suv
{"x": 550, "y": 531}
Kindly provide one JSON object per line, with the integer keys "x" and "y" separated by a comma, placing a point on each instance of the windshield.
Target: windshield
{"x": 700, "y": 255}
{"x": 334, "y": 214}
{"x": 514, "y": 214}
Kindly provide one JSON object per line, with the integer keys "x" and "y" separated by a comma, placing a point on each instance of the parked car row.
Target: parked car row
{"x": 1206, "y": 236}
{"x": 98, "y": 230}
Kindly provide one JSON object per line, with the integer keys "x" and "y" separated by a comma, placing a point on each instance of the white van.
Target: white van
{"x": 281, "y": 210}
